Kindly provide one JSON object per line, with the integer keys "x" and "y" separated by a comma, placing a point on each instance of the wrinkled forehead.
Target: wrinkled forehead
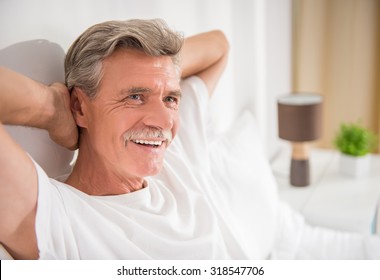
{"x": 126, "y": 68}
{"x": 138, "y": 61}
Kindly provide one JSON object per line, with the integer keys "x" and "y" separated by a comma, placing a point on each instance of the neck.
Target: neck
{"x": 93, "y": 176}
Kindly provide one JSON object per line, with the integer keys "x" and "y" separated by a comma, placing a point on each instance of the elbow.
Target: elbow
{"x": 221, "y": 39}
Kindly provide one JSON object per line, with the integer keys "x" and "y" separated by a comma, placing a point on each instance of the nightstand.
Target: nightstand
{"x": 332, "y": 200}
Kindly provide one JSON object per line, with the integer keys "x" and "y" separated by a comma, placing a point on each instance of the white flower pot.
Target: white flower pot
{"x": 354, "y": 166}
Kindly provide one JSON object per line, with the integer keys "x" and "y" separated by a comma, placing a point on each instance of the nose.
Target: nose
{"x": 160, "y": 116}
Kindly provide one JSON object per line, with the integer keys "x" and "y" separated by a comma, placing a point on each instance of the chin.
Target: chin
{"x": 154, "y": 172}
{"x": 150, "y": 171}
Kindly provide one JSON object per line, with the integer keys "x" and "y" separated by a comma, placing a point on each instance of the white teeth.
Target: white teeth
{"x": 146, "y": 142}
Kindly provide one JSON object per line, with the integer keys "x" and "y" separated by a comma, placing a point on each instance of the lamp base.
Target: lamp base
{"x": 300, "y": 172}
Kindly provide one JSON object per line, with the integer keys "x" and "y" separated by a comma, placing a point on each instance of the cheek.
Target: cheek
{"x": 176, "y": 124}
{"x": 107, "y": 131}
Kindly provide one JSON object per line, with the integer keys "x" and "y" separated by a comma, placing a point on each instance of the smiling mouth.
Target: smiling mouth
{"x": 149, "y": 143}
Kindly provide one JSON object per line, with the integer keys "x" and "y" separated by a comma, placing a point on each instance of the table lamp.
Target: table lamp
{"x": 300, "y": 121}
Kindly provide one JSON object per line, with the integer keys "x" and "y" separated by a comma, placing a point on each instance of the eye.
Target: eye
{"x": 171, "y": 101}
{"x": 134, "y": 97}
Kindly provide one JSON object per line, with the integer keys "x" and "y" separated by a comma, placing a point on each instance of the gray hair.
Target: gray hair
{"x": 83, "y": 62}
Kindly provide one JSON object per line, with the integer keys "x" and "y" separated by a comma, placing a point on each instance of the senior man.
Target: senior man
{"x": 208, "y": 198}
{"x": 124, "y": 83}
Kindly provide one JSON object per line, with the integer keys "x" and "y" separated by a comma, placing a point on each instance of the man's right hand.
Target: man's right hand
{"x": 62, "y": 127}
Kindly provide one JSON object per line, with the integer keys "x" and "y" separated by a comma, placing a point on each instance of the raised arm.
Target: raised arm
{"x": 205, "y": 55}
{"x": 26, "y": 102}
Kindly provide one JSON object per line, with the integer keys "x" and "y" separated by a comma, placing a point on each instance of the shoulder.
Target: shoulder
{"x": 194, "y": 91}
{"x": 194, "y": 83}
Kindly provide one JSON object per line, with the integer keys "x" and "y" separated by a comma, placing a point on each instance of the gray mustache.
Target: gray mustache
{"x": 148, "y": 132}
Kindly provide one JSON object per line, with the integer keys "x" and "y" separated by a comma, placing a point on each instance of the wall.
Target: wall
{"x": 337, "y": 55}
{"x": 259, "y": 32}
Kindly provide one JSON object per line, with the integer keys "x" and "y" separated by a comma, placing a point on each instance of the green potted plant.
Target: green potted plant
{"x": 355, "y": 142}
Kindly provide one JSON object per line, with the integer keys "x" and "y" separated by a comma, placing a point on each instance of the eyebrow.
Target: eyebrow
{"x": 136, "y": 90}
{"x": 177, "y": 93}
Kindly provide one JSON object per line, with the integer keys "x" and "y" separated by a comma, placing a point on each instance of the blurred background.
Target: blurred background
{"x": 336, "y": 52}
{"x": 330, "y": 47}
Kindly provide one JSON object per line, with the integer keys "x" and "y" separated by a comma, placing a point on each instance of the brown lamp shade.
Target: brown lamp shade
{"x": 300, "y": 117}
{"x": 299, "y": 121}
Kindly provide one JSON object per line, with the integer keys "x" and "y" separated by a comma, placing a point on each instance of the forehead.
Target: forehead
{"x": 135, "y": 68}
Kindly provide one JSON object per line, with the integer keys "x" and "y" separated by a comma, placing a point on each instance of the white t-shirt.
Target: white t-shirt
{"x": 214, "y": 199}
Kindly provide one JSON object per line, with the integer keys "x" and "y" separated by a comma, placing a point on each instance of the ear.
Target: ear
{"x": 78, "y": 106}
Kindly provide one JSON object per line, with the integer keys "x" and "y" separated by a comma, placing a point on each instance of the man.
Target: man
{"x": 125, "y": 93}
{"x": 215, "y": 198}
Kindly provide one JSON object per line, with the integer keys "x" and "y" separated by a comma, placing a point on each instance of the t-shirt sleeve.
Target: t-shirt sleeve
{"x": 52, "y": 226}
{"x": 194, "y": 118}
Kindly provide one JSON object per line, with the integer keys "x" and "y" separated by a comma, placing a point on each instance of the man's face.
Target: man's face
{"x": 135, "y": 113}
